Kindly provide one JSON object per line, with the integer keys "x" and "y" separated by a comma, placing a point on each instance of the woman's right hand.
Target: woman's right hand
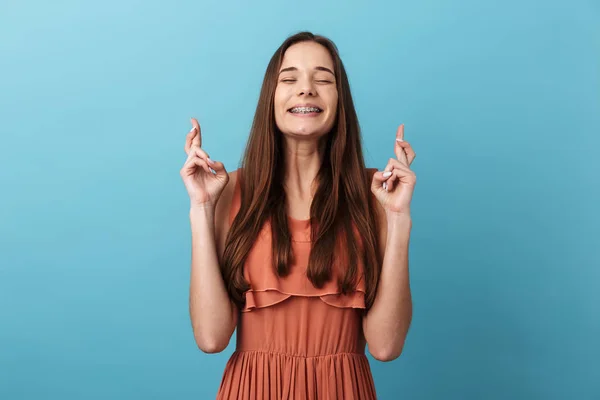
{"x": 204, "y": 178}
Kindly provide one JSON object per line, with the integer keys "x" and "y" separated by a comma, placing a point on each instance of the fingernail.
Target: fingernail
{"x": 385, "y": 186}
{"x": 387, "y": 174}
{"x": 213, "y": 171}
{"x": 209, "y": 160}
{"x": 193, "y": 128}
{"x": 399, "y": 140}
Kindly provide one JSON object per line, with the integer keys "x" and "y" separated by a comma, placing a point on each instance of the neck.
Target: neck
{"x": 303, "y": 160}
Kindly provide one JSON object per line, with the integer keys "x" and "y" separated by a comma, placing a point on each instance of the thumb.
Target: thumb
{"x": 379, "y": 179}
{"x": 218, "y": 167}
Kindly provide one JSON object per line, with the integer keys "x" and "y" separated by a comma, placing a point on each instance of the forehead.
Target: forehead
{"x": 307, "y": 55}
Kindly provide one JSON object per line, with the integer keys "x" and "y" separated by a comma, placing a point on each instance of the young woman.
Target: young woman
{"x": 303, "y": 249}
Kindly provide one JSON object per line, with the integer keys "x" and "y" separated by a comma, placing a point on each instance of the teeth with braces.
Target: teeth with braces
{"x": 305, "y": 110}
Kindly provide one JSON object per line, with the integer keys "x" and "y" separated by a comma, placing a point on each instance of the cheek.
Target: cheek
{"x": 279, "y": 101}
{"x": 333, "y": 105}
{"x": 276, "y": 99}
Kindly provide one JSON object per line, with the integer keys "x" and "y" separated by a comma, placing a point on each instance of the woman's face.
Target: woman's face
{"x": 306, "y": 96}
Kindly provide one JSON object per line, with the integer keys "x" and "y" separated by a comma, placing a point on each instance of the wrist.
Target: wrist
{"x": 202, "y": 210}
{"x": 401, "y": 220}
{"x": 403, "y": 216}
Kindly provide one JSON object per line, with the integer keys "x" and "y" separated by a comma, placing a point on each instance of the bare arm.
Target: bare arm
{"x": 386, "y": 324}
{"x": 213, "y": 314}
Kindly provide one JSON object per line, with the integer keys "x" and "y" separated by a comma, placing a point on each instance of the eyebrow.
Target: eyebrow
{"x": 319, "y": 68}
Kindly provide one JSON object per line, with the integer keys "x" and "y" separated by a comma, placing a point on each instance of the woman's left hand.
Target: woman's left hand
{"x": 393, "y": 187}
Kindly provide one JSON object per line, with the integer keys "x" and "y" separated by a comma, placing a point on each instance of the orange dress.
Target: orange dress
{"x": 295, "y": 341}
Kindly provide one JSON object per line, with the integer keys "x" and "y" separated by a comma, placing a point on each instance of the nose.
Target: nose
{"x": 308, "y": 92}
{"x": 306, "y": 88}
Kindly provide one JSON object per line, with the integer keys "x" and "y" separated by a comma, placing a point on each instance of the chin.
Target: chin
{"x": 306, "y": 132}
{"x": 306, "y": 129}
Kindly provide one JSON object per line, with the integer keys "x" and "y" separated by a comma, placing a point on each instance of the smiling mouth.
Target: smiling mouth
{"x": 305, "y": 110}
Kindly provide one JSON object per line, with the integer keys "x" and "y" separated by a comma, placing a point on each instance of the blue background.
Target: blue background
{"x": 501, "y": 101}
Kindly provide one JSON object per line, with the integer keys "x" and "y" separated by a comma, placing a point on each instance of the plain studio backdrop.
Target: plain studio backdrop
{"x": 500, "y": 99}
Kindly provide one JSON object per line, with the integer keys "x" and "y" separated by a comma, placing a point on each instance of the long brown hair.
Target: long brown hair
{"x": 342, "y": 207}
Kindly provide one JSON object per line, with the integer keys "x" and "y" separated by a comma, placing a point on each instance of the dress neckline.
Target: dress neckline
{"x": 300, "y": 229}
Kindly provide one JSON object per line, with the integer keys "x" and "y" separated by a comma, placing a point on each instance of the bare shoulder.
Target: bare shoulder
{"x": 222, "y": 212}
